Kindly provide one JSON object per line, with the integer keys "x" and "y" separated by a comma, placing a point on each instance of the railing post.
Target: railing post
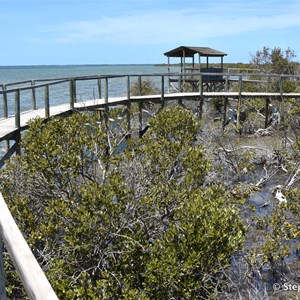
{"x": 17, "y": 109}
{"x": 267, "y": 103}
{"x": 72, "y": 93}
{"x": 33, "y": 95}
{"x": 99, "y": 88}
{"x": 140, "y": 85}
{"x": 179, "y": 83}
{"x": 281, "y": 105}
{"x": 238, "y": 113}
{"x": 281, "y": 85}
{"x": 128, "y": 105}
{"x": 268, "y": 83}
{"x": 140, "y": 106}
{"x": 5, "y": 107}
{"x": 106, "y": 92}
{"x": 47, "y": 104}
{"x": 2, "y": 275}
{"x": 201, "y": 85}
{"x": 163, "y": 102}
{"x": 201, "y": 96}
{"x": 105, "y": 117}
{"x": 227, "y": 83}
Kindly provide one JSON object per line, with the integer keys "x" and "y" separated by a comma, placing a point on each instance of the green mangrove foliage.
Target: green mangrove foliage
{"x": 140, "y": 224}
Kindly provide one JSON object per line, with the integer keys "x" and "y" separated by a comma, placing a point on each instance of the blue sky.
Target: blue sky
{"x": 44, "y": 32}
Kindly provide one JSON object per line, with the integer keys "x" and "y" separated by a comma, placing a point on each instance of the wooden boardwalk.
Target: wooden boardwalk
{"x": 12, "y": 126}
{"x": 35, "y": 282}
{"x": 8, "y": 126}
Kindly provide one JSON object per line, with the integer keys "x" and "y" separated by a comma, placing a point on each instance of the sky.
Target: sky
{"x": 62, "y": 32}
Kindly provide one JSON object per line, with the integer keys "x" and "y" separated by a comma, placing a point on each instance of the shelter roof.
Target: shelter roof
{"x": 191, "y": 51}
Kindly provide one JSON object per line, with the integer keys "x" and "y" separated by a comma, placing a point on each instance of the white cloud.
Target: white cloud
{"x": 182, "y": 25}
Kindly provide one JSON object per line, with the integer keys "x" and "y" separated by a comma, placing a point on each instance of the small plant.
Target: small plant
{"x": 147, "y": 87}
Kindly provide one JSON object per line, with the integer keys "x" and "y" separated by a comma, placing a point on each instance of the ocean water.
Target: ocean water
{"x": 60, "y": 94}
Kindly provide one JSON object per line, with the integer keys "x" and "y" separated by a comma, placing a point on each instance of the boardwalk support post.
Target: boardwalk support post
{"x": 267, "y": 112}
{"x": 18, "y": 142}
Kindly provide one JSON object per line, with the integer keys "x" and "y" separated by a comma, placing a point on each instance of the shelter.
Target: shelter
{"x": 187, "y": 65}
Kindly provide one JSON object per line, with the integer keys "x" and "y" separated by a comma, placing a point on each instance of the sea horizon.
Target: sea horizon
{"x": 76, "y": 65}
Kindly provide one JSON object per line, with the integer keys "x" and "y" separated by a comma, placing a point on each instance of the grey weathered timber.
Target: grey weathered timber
{"x": 162, "y": 91}
{"x": 128, "y": 106}
{"x": 33, "y": 95}
{"x": 47, "y": 102}
{"x": 33, "y": 278}
{"x": 5, "y": 107}
{"x": 72, "y": 93}
{"x": 99, "y": 88}
{"x": 140, "y": 118}
{"x": 201, "y": 85}
{"x": 201, "y": 96}
{"x": 17, "y": 109}
{"x": 267, "y": 113}
{"x": 239, "y": 104}
{"x": 106, "y": 92}
{"x": 140, "y": 106}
